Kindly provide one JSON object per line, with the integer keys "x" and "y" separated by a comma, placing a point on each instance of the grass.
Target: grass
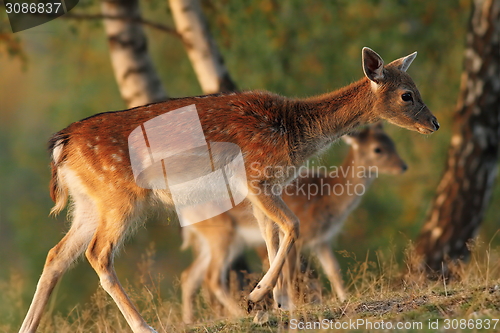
{"x": 383, "y": 294}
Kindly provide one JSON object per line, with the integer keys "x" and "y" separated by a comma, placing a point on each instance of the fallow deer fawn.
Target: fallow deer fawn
{"x": 91, "y": 163}
{"x": 322, "y": 201}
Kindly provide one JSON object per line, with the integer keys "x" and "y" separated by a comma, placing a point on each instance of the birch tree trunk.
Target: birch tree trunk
{"x": 201, "y": 48}
{"x": 465, "y": 189}
{"x": 135, "y": 74}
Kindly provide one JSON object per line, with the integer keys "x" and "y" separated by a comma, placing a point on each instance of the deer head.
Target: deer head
{"x": 372, "y": 147}
{"x": 398, "y": 99}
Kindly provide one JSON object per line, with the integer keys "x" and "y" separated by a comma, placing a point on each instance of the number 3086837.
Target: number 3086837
{"x": 33, "y": 8}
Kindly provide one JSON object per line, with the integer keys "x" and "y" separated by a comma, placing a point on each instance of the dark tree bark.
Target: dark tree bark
{"x": 465, "y": 189}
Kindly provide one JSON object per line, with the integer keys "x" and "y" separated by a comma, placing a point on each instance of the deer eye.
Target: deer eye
{"x": 377, "y": 150}
{"x": 406, "y": 97}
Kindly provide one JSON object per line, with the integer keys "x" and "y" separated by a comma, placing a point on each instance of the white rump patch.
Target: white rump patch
{"x": 57, "y": 151}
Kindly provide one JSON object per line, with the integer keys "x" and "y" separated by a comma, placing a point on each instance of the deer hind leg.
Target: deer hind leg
{"x": 331, "y": 268}
{"x": 113, "y": 226}
{"x": 192, "y": 278}
{"x": 60, "y": 258}
{"x": 269, "y": 209}
{"x": 222, "y": 255}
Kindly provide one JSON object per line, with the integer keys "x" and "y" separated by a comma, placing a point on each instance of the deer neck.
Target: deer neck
{"x": 322, "y": 119}
{"x": 354, "y": 179}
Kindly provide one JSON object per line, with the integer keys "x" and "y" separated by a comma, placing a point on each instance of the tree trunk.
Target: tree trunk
{"x": 465, "y": 189}
{"x": 201, "y": 47}
{"x": 134, "y": 71}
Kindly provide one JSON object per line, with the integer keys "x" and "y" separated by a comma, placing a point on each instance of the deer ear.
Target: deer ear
{"x": 373, "y": 65}
{"x": 378, "y": 126}
{"x": 405, "y": 62}
{"x": 351, "y": 139}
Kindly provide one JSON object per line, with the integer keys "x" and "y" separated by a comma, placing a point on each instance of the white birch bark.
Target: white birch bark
{"x": 135, "y": 74}
{"x": 201, "y": 47}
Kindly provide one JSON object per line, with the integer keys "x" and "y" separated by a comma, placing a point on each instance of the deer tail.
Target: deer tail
{"x": 58, "y": 189}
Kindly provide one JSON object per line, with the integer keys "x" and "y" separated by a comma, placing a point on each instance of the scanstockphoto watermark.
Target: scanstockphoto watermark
{"x": 355, "y": 324}
{"x": 327, "y": 180}
{"x": 382, "y": 325}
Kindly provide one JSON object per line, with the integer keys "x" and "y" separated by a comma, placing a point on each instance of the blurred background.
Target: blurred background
{"x": 60, "y": 72}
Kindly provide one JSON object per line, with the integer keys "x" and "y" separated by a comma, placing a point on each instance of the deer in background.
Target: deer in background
{"x": 91, "y": 163}
{"x": 320, "y": 201}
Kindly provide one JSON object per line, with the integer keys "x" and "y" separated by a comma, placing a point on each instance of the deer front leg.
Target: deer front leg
{"x": 331, "y": 268}
{"x": 271, "y": 209}
{"x": 270, "y": 232}
{"x": 271, "y": 235}
{"x": 284, "y": 291}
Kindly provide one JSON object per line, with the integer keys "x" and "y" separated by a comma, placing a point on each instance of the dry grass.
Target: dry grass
{"x": 379, "y": 291}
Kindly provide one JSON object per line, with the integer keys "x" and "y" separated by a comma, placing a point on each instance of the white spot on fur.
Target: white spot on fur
{"x": 116, "y": 157}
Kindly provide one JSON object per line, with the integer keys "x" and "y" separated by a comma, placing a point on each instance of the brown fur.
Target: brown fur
{"x": 321, "y": 214}
{"x": 93, "y": 165}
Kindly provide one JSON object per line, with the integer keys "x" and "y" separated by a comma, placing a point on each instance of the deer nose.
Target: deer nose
{"x": 435, "y": 123}
{"x": 404, "y": 167}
